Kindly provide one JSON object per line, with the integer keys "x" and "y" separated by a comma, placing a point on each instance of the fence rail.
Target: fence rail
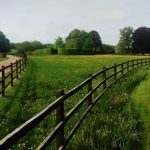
{"x": 11, "y": 72}
{"x": 115, "y": 72}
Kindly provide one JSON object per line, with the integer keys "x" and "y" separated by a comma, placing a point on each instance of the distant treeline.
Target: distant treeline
{"x": 85, "y": 43}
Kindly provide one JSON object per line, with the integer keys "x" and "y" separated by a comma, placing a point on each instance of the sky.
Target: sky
{"x": 45, "y": 20}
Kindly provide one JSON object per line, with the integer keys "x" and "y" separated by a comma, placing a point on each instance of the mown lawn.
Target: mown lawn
{"x": 37, "y": 88}
{"x": 141, "y": 98}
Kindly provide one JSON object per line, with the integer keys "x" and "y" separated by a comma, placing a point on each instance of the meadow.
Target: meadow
{"x": 37, "y": 88}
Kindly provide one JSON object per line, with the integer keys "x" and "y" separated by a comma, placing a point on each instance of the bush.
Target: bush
{"x": 73, "y": 51}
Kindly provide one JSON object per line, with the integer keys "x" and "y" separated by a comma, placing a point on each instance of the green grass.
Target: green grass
{"x": 141, "y": 98}
{"x": 2, "y": 58}
{"x": 37, "y": 88}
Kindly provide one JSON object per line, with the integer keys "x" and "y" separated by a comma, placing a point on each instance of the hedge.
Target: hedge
{"x": 73, "y": 51}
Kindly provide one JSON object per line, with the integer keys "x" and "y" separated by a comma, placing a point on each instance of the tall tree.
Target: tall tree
{"x": 97, "y": 43}
{"x": 4, "y": 43}
{"x": 141, "y": 40}
{"x": 78, "y": 39}
{"x": 124, "y": 45}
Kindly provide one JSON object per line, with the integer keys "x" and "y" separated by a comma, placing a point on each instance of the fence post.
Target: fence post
{"x": 17, "y": 69}
{"x": 137, "y": 62}
{"x": 132, "y": 64}
{"x": 3, "y": 80}
{"x": 145, "y": 61}
{"x": 20, "y": 65}
{"x": 104, "y": 78}
{"x": 89, "y": 99}
{"x": 122, "y": 68}
{"x": 59, "y": 118}
{"x": 115, "y": 71}
{"x": 127, "y": 66}
{"x": 11, "y": 68}
{"x": 26, "y": 60}
{"x": 141, "y": 62}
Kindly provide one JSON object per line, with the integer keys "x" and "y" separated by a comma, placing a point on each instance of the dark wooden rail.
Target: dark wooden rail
{"x": 108, "y": 76}
{"x": 11, "y": 72}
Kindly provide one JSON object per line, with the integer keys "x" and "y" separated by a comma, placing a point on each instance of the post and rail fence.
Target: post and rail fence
{"x": 11, "y": 72}
{"x": 115, "y": 72}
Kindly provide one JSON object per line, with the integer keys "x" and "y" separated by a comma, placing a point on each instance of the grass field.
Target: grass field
{"x": 141, "y": 98}
{"x": 37, "y": 88}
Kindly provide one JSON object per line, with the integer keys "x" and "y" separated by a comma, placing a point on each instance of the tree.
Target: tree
{"x": 75, "y": 39}
{"x": 141, "y": 40}
{"x": 29, "y": 46}
{"x": 108, "y": 49}
{"x": 4, "y": 43}
{"x": 97, "y": 43}
{"x": 79, "y": 39}
{"x": 36, "y": 45}
{"x": 59, "y": 43}
{"x": 124, "y": 45}
{"x": 24, "y": 46}
{"x": 88, "y": 44}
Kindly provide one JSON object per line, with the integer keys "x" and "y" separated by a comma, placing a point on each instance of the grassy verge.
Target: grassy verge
{"x": 36, "y": 89}
{"x": 2, "y": 58}
{"x": 140, "y": 97}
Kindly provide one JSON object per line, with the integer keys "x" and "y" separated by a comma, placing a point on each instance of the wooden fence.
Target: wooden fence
{"x": 11, "y": 72}
{"x": 114, "y": 73}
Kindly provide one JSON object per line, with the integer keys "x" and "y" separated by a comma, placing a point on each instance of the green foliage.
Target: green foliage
{"x": 45, "y": 51}
{"x": 88, "y": 44}
{"x": 4, "y": 43}
{"x": 59, "y": 43}
{"x": 79, "y": 40}
{"x": 13, "y": 45}
{"x": 97, "y": 43}
{"x": 36, "y": 45}
{"x": 24, "y": 47}
{"x": 124, "y": 45}
{"x": 108, "y": 49}
{"x": 29, "y": 46}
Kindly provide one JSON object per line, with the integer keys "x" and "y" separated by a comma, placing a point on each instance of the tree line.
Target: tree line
{"x": 81, "y": 42}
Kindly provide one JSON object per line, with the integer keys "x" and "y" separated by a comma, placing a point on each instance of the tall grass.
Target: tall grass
{"x": 114, "y": 122}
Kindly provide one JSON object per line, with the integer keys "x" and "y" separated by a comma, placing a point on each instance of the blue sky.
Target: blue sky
{"x": 45, "y": 20}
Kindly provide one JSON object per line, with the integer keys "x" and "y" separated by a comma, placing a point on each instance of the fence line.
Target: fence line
{"x": 117, "y": 72}
{"x": 11, "y": 72}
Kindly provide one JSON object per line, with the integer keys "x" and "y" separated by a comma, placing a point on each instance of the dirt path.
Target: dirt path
{"x": 11, "y": 59}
